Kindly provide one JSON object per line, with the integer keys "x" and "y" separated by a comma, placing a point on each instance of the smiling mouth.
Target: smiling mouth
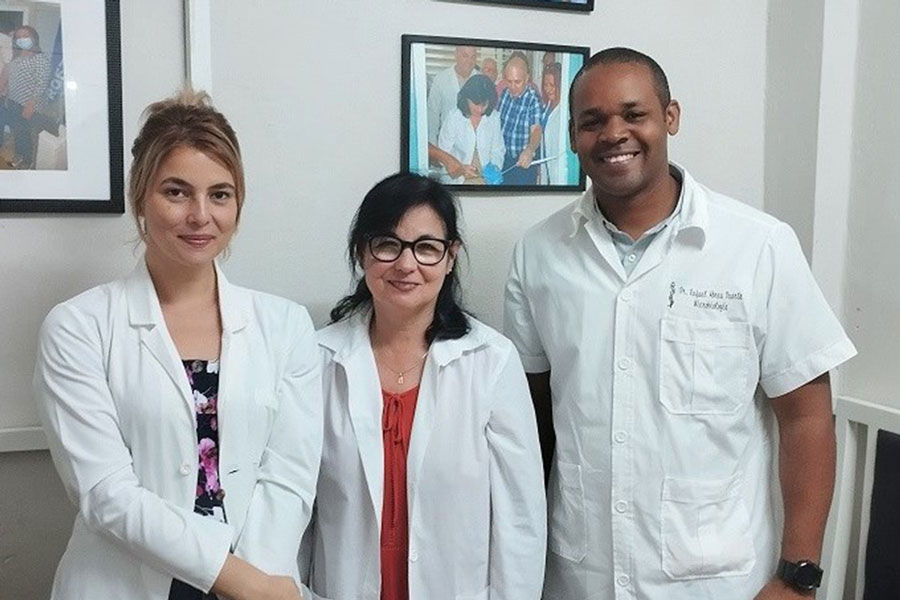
{"x": 197, "y": 241}
{"x": 403, "y": 285}
{"x": 618, "y": 158}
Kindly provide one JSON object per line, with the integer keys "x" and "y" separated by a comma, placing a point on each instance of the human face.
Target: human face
{"x": 25, "y": 35}
{"x": 619, "y": 130}
{"x": 477, "y": 110}
{"x": 516, "y": 77}
{"x": 489, "y": 68}
{"x": 190, "y": 211}
{"x": 404, "y": 285}
{"x": 465, "y": 60}
{"x": 549, "y": 89}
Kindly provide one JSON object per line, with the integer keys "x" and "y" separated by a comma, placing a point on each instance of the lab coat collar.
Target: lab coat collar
{"x": 144, "y": 309}
{"x": 352, "y": 349}
{"x": 348, "y": 337}
{"x": 694, "y": 212}
{"x": 145, "y": 313}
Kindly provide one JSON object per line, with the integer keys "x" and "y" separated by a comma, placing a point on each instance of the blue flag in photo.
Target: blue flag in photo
{"x": 57, "y": 85}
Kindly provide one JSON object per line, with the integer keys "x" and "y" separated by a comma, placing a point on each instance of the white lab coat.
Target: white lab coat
{"x": 477, "y": 512}
{"x": 661, "y": 486}
{"x": 119, "y": 415}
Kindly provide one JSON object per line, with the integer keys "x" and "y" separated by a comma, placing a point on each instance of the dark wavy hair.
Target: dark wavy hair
{"x": 480, "y": 90}
{"x": 380, "y": 212}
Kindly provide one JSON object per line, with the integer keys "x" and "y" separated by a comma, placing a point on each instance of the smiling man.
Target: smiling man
{"x": 678, "y": 352}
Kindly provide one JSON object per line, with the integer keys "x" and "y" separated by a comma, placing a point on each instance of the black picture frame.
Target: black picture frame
{"x": 587, "y": 6}
{"x": 423, "y": 57}
{"x": 89, "y": 69}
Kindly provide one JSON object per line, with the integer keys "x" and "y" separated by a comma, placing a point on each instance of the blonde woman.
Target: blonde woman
{"x": 183, "y": 412}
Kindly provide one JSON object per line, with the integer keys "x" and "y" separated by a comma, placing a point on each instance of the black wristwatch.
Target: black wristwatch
{"x": 803, "y": 576}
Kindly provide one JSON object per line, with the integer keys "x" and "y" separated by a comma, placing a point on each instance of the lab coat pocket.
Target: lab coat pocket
{"x": 704, "y": 366}
{"x": 567, "y": 536}
{"x": 482, "y": 595}
{"x": 705, "y": 529}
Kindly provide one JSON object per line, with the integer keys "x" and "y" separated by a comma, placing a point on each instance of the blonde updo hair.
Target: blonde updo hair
{"x": 186, "y": 120}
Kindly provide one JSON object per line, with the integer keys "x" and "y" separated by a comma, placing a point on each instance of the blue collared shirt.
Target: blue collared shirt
{"x": 517, "y": 116}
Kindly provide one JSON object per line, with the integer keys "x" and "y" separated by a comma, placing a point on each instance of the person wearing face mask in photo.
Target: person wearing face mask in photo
{"x": 162, "y": 391}
{"x": 472, "y": 132}
{"x": 23, "y": 83}
{"x": 431, "y": 485}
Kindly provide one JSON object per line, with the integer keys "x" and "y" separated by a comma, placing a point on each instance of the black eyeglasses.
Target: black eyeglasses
{"x": 427, "y": 251}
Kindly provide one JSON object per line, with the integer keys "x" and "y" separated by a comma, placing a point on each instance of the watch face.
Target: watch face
{"x": 807, "y": 576}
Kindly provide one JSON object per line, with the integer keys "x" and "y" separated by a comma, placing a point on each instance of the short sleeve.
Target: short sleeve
{"x": 518, "y": 319}
{"x": 798, "y": 335}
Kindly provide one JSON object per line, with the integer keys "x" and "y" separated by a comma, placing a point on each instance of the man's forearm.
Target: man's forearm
{"x": 806, "y": 467}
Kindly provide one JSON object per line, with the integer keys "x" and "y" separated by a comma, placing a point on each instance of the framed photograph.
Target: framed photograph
{"x": 489, "y": 115}
{"x": 60, "y": 107}
{"x": 579, "y": 5}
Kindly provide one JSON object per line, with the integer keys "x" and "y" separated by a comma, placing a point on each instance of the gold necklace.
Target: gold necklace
{"x": 400, "y": 374}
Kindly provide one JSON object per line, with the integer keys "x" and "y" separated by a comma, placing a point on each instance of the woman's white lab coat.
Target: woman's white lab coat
{"x": 119, "y": 415}
{"x": 477, "y": 517}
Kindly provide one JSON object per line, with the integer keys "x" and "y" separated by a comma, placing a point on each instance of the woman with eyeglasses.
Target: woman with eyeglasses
{"x": 431, "y": 483}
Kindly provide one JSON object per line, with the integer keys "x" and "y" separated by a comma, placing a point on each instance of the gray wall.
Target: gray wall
{"x": 35, "y": 522}
{"x": 793, "y": 64}
{"x": 872, "y": 290}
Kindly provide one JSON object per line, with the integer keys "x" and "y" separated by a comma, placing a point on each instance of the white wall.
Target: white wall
{"x": 323, "y": 127}
{"x": 313, "y": 90}
{"x": 872, "y": 290}
{"x": 43, "y": 260}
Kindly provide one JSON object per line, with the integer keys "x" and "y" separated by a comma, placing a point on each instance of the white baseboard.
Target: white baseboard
{"x": 19, "y": 439}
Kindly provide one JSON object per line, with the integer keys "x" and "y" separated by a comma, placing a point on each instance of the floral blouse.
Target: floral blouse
{"x": 203, "y": 377}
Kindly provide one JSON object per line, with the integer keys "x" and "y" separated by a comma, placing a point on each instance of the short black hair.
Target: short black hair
{"x": 613, "y": 56}
{"x": 479, "y": 89}
{"x": 380, "y": 212}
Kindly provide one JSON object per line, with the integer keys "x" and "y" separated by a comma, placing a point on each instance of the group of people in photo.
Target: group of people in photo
{"x": 491, "y": 122}
{"x": 663, "y": 348}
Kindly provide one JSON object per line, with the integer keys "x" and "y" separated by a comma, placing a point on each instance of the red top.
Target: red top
{"x": 396, "y": 426}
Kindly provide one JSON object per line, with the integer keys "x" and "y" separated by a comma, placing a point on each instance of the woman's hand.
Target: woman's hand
{"x": 283, "y": 588}
{"x": 28, "y": 109}
{"x": 454, "y": 167}
{"x": 470, "y": 171}
{"x": 239, "y": 580}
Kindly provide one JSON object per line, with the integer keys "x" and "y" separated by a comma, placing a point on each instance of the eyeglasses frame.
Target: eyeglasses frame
{"x": 404, "y": 244}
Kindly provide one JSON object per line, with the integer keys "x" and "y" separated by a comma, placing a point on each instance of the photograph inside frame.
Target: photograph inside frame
{"x": 481, "y": 114}
{"x": 32, "y": 87}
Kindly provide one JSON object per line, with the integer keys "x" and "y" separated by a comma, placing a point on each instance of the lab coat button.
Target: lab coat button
{"x": 623, "y": 580}
{"x": 185, "y": 469}
{"x": 624, "y": 363}
{"x": 621, "y": 506}
{"x": 413, "y": 555}
{"x": 620, "y": 437}
{"x": 626, "y": 296}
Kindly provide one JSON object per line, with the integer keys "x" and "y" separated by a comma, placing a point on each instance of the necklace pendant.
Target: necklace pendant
{"x": 400, "y": 379}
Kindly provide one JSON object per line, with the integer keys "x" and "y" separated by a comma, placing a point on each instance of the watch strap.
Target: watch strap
{"x": 804, "y": 575}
